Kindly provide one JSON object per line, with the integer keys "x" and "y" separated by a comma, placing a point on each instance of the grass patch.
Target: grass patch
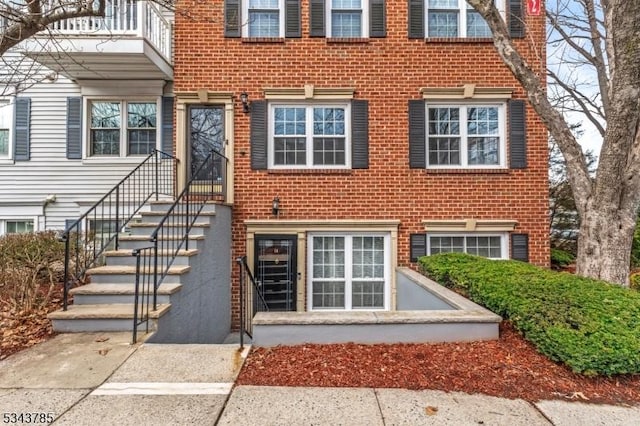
{"x": 590, "y": 325}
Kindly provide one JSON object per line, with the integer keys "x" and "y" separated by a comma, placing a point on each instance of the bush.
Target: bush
{"x": 30, "y": 267}
{"x": 561, "y": 258}
{"x": 591, "y": 326}
{"x": 635, "y": 281}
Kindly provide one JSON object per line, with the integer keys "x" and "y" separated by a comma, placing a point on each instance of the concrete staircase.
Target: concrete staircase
{"x": 107, "y": 302}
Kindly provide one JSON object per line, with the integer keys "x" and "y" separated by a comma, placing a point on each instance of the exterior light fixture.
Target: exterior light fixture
{"x": 244, "y": 98}
{"x": 275, "y": 206}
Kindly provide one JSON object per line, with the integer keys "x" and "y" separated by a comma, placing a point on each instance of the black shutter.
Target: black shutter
{"x": 22, "y": 131}
{"x": 258, "y": 135}
{"x": 418, "y": 243}
{"x": 167, "y": 124}
{"x": 520, "y": 247}
{"x": 417, "y": 135}
{"x": 316, "y": 18}
{"x": 359, "y": 134}
{"x": 416, "y": 19}
{"x": 74, "y": 128}
{"x": 232, "y": 23}
{"x": 378, "y": 18}
{"x": 516, "y": 19}
{"x": 292, "y": 18}
{"x": 517, "y": 134}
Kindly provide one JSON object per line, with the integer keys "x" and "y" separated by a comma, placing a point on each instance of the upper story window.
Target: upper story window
{"x": 309, "y": 136}
{"x": 347, "y": 18}
{"x": 122, "y": 128}
{"x": 465, "y": 136}
{"x": 454, "y": 18}
{"x": 6, "y": 119}
{"x": 264, "y": 18}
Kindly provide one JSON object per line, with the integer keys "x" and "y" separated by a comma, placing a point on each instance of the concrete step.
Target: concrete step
{"x": 163, "y": 206}
{"x": 128, "y": 242}
{"x": 127, "y": 274}
{"x": 146, "y": 228}
{"x": 156, "y": 216}
{"x": 123, "y": 257}
{"x": 88, "y": 318}
{"x": 104, "y": 294}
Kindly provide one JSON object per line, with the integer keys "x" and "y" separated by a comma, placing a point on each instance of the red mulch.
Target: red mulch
{"x": 509, "y": 367}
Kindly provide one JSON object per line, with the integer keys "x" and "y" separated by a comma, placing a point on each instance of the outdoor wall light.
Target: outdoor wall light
{"x": 275, "y": 206}
{"x": 244, "y": 98}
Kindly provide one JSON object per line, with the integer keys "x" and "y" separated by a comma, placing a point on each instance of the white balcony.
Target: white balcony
{"x": 132, "y": 41}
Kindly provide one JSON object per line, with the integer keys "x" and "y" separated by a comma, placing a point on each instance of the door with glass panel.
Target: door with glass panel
{"x": 206, "y": 133}
{"x": 276, "y": 270}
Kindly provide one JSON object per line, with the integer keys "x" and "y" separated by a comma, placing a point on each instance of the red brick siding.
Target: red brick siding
{"x": 387, "y": 72}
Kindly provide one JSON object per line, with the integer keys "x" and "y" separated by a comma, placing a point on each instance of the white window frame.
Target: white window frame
{"x": 281, "y": 19}
{"x": 462, "y": 17}
{"x": 364, "y": 7}
{"x": 7, "y": 109}
{"x": 124, "y": 141}
{"x": 464, "y": 161}
{"x": 309, "y": 106}
{"x": 3, "y": 223}
{"x": 348, "y": 270}
{"x": 504, "y": 240}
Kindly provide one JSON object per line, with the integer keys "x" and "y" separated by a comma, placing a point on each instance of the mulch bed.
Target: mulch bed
{"x": 509, "y": 367}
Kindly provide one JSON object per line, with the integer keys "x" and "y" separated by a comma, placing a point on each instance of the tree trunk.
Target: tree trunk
{"x": 604, "y": 245}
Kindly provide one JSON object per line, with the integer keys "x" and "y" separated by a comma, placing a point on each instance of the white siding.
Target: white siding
{"x": 49, "y": 172}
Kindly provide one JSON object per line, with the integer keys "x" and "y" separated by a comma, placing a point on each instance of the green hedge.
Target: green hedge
{"x": 590, "y": 325}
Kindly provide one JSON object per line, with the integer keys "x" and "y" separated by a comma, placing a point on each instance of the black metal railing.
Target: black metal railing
{"x": 87, "y": 238}
{"x": 251, "y": 299}
{"x": 208, "y": 182}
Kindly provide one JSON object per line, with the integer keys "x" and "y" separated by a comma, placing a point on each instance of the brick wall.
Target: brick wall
{"x": 387, "y": 72}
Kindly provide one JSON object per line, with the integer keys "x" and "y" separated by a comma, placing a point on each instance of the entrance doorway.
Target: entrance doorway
{"x": 276, "y": 270}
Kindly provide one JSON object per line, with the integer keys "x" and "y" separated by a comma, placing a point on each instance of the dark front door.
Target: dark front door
{"x": 206, "y": 133}
{"x": 276, "y": 270}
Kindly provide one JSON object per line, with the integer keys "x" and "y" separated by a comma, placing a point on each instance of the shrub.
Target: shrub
{"x": 561, "y": 258}
{"x": 30, "y": 267}
{"x": 635, "y": 281}
{"x": 591, "y": 326}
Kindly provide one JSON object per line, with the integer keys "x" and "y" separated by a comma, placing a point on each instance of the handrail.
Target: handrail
{"x": 98, "y": 228}
{"x": 208, "y": 182}
{"x": 250, "y": 298}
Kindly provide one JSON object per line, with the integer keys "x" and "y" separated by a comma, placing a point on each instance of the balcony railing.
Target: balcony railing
{"x": 124, "y": 18}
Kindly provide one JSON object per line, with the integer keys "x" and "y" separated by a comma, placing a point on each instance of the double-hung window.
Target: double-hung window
{"x": 493, "y": 246}
{"x": 466, "y": 136}
{"x": 6, "y": 119}
{"x": 264, "y": 18}
{"x": 348, "y": 18}
{"x": 122, "y": 128}
{"x": 309, "y": 136}
{"x": 349, "y": 272}
{"x": 455, "y": 18}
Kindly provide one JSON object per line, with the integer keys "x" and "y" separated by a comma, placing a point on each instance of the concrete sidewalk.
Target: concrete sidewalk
{"x": 100, "y": 379}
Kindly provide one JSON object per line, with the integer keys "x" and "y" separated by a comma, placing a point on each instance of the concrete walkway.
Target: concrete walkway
{"x": 100, "y": 379}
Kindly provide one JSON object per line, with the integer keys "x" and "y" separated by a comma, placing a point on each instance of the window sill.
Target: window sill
{"x": 263, "y": 39}
{"x": 310, "y": 171}
{"x": 7, "y": 161}
{"x": 467, "y": 171}
{"x": 113, "y": 160}
{"x": 353, "y": 40}
{"x": 458, "y": 40}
